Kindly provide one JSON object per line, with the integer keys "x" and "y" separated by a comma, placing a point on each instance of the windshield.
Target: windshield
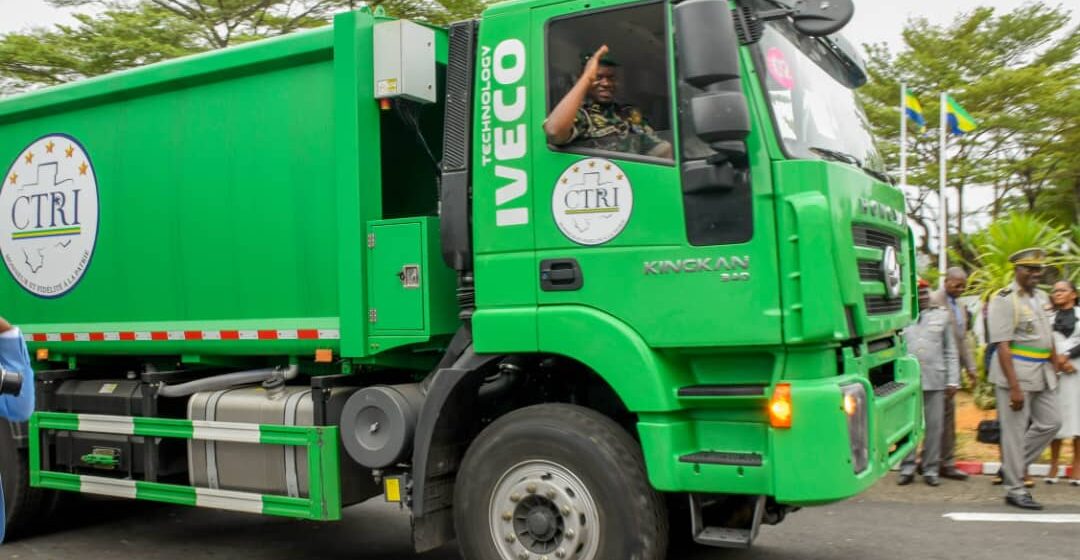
{"x": 816, "y": 111}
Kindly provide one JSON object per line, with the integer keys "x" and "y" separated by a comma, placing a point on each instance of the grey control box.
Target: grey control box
{"x": 404, "y": 61}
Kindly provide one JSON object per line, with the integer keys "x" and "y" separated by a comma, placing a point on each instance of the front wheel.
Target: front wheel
{"x": 561, "y": 482}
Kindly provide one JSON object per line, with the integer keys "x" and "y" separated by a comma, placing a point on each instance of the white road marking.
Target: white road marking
{"x": 1016, "y": 517}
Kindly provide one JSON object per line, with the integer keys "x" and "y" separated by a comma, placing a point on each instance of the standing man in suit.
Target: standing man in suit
{"x": 956, "y": 280}
{"x": 931, "y": 340}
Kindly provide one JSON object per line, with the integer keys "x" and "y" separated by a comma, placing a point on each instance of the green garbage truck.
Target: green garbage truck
{"x": 353, "y": 262}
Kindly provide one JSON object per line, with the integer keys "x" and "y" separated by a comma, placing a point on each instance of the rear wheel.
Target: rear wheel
{"x": 560, "y": 482}
{"x": 23, "y": 505}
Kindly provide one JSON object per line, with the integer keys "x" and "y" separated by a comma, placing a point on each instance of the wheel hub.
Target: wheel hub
{"x": 542, "y": 510}
{"x": 538, "y": 524}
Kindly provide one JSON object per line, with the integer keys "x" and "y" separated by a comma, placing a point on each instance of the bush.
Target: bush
{"x": 984, "y": 391}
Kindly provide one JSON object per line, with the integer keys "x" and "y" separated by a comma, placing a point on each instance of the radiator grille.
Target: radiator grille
{"x": 870, "y": 271}
{"x": 877, "y": 239}
{"x": 880, "y": 305}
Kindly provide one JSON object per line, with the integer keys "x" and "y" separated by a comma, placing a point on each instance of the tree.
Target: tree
{"x": 1017, "y": 73}
{"x": 110, "y": 41}
{"x": 130, "y": 33}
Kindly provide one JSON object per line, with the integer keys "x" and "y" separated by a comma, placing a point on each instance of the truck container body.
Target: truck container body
{"x": 355, "y": 259}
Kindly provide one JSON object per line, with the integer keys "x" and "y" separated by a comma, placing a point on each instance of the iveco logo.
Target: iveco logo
{"x": 880, "y": 211}
{"x": 890, "y": 273}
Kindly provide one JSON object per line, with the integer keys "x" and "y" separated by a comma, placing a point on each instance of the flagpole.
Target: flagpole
{"x": 942, "y": 163}
{"x": 903, "y": 136}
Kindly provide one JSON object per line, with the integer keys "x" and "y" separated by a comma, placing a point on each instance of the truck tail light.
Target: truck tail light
{"x": 780, "y": 406}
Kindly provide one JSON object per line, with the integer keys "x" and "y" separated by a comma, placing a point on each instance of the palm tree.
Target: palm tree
{"x": 991, "y": 269}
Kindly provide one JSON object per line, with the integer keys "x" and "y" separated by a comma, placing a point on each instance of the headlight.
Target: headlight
{"x": 853, "y": 403}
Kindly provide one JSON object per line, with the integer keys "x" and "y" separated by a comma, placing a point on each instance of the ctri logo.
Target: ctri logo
{"x": 49, "y": 215}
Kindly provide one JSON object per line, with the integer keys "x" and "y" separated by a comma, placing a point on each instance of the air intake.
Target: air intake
{"x": 747, "y": 26}
{"x": 455, "y": 230}
{"x": 459, "y": 80}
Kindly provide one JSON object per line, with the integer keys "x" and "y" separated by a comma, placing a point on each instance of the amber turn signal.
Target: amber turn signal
{"x": 780, "y": 406}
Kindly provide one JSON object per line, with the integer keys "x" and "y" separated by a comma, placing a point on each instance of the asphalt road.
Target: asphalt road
{"x": 888, "y": 522}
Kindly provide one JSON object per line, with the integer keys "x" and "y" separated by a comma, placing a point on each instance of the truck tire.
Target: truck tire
{"x": 557, "y": 481}
{"x": 24, "y": 506}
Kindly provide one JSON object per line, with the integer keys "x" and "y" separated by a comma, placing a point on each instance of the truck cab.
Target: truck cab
{"x": 741, "y": 294}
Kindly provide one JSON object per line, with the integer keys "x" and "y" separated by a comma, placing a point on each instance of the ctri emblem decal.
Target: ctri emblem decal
{"x": 592, "y": 201}
{"x": 49, "y": 219}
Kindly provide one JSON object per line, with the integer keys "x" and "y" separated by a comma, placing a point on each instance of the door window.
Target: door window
{"x": 619, "y": 103}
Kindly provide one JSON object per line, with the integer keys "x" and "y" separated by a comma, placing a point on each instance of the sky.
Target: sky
{"x": 875, "y": 21}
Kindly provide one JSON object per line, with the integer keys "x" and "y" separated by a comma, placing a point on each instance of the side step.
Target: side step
{"x": 745, "y": 527}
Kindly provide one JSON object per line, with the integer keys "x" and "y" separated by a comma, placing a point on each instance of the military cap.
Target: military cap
{"x": 1033, "y": 257}
{"x": 605, "y": 60}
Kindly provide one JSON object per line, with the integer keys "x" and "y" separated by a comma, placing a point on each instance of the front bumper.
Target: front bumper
{"x": 728, "y": 447}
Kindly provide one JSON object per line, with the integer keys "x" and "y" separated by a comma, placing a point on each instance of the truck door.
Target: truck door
{"x": 617, "y": 229}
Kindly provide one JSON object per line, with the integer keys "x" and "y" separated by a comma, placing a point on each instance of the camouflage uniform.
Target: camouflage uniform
{"x": 614, "y": 127}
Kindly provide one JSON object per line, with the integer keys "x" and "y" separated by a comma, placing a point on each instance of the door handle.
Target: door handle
{"x": 560, "y": 275}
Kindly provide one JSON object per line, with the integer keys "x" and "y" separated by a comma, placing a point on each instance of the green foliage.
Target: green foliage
{"x": 983, "y": 392}
{"x": 993, "y": 246}
{"x": 1018, "y": 74}
{"x": 110, "y": 41}
{"x": 129, "y": 33}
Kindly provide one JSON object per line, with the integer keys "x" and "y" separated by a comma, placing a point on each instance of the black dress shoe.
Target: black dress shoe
{"x": 905, "y": 479}
{"x": 1024, "y": 501}
{"x": 932, "y": 480}
{"x": 954, "y": 473}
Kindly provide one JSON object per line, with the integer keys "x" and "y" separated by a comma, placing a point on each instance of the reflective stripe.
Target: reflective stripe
{"x": 107, "y": 486}
{"x": 106, "y": 424}
{"x": 226, "y": 431}
{"x": 229, "y": 499}
{"x": 178, "y": 336}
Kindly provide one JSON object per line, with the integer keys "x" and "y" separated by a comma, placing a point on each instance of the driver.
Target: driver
{"x": 589, "y": 116}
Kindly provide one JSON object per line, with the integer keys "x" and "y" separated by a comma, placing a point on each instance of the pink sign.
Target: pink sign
{"x": 779, "y": 69}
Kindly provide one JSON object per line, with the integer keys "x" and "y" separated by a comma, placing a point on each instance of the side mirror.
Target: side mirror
{"x": 708, "y": 56}
{"x": 818, "y": 18}
{"x": 720, "y": 115}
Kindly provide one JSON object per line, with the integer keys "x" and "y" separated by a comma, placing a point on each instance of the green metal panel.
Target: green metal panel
{"x": 411, "y": 289}
{"x": 395, "y": 304}
{"x": 233, "y": 192}
{"x": 200, "y": 180}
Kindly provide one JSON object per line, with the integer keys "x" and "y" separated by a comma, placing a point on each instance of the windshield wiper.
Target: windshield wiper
{"x": 836, "y": 156}
{"x": 848, "y": 158}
